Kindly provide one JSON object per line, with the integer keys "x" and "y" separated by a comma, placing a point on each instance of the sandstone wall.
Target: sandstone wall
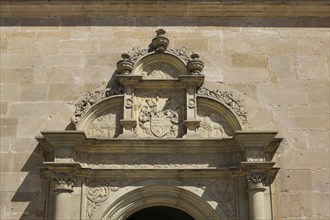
{"x": 280, "y": 66}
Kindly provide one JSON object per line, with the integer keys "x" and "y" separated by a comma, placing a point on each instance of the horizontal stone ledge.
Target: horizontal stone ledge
{"x": 289, "y": 8}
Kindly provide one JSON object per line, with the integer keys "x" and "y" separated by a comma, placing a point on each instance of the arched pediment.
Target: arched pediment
{"x": 159, "y": 95}
{"x": 160, "y": 66}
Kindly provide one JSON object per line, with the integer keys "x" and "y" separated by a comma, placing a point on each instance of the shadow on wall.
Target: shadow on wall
{"x": 32, "y": 190}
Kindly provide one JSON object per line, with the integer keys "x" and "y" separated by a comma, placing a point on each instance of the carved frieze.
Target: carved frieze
{"x": 149, "y": 161}
{"x": 228, "y": 98}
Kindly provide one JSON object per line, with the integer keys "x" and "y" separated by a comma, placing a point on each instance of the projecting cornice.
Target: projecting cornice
{"x": 175, "y": 8}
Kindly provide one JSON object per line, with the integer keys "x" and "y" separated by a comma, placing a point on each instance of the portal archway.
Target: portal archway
{"x": 169, "y": 196}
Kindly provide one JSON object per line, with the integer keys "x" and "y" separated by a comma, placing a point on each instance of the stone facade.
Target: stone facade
{"x": 277, "y": 64}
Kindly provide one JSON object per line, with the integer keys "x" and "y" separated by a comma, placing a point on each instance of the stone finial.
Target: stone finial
{"x": 125, "y": 66}
{"x": 160, "y": 42}
{"x": 195, "y": 66}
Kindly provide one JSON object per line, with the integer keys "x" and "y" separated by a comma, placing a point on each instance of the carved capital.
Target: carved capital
{"x": 63, "y": 182}
{"x": 256, "y": 180}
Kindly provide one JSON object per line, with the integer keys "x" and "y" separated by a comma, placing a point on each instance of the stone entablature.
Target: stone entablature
{"x": 160, "y": 124}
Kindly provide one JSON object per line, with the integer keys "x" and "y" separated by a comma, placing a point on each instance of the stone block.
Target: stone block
{"x": 296, "y": 139}
{"x": 248, "y": 89}
{"x": 273, "y": 46}
{"x": 304, "y": 159}
{"x": 313, "y": 67}
{"x": 10, "y": 182}
{"x": 68, "y": 91}
{"x": 321, "y": 180}
{"x": 103, "y": 60}
{"x": 318, "y": 91}
{"x": 321, "y": 46}
{"x": 10, "y": 92}
{"x": 34, "y": 92}
{"x": 247, "y": 60}
{"x": 17, "y": 75}
{"x": 285, "y": 92}
{"x": 303, "y": 33}
{"x": 308, "y": 122}
{"x": 57, "y": 74}
{"x": 316, "y": 205}
{"x": 61, "y": 60}
{"x": 37, "y": 109}
{"x": 281, "y": 115}
{"x": 245, "y": 75}
{"x": 23, "y": 145}
{"x": 319, "y": 139}
{"x": 4, "y": 145}
{"x": 31, "y": 127}
{"x": 232, "y": 46}
{"x": 288, "y": 179}
{"x": 8, "y": 127}
{"x": 305, "y": 110}
{"x": 288, "y": 206}
{"x": 213, "y": 74}
{"x": 21, "y": 60}
{"x": 282, "y": 67}
{"x": 4, "y": 108}
{"x": 95, "y": 74}
{"x": 78, "y": 46}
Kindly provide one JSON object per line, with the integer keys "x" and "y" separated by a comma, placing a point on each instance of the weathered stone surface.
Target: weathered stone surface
{"x": 282, "y": 67}
{"x": 321, "y": 180}
{"x": 57, "y": 74}
{"x": 289, "y": 178}
{"x": 318, "y": 91}
{"x": 247, "y": 60}
{"x": 8, "y": 127}
{"x": 312, "y": 67}
{"x": 34, "y": 92}
{"x": 285, "y": 92}
{"x": 17, "y": 75}
{"x": 319, "y": 139}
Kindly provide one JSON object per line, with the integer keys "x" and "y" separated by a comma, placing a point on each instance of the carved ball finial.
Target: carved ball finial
{"x": 125, "y": 66}
{"x": 195, "y": 66}
{"x": 160, "y": 43}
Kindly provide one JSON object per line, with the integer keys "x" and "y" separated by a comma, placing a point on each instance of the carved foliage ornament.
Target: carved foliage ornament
{"x": 63, "y": 181}
{"x": 97, "y": 193}
{"x": 256, "y": 177}
{"x": 228, "y": 98}
{"x": 90, "y": 98}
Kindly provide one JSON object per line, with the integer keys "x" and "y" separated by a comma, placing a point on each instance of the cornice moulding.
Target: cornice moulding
{"x": 289, "y": 8}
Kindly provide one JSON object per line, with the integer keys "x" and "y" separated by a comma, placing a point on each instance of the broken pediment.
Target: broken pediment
{"x": 159, "y": 95}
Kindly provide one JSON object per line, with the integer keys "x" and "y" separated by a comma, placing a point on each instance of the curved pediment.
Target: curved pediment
{"x": 162, "y": 66}
{"x": 159, "y": 95}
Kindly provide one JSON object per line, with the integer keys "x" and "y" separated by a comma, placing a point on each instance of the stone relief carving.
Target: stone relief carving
{"x": 149, "y": 161}
{"x": 223, "y": 192}
{"x": 255, "y": 154}
{"x": 228, "y": 98}
{"x": 90, "y": 98}
{"x": 158, "y": 117}
{"x": 160, "y": 71}
{"x": 212, "y": 125}
{"x": 107, "y": 125}
{"x": 97, "y": 193}
{"x": 256, "y": 177}
{"x": 63, "y": 181}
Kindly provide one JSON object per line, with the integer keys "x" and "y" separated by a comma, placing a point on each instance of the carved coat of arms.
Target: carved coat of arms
{"x": 158, "y": 122}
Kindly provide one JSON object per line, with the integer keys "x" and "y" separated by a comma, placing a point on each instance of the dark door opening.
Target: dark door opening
{"x": 160, "y": 213}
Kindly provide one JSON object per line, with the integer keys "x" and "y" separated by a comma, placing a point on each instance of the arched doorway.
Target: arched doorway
{"x": 160, "y": 213}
